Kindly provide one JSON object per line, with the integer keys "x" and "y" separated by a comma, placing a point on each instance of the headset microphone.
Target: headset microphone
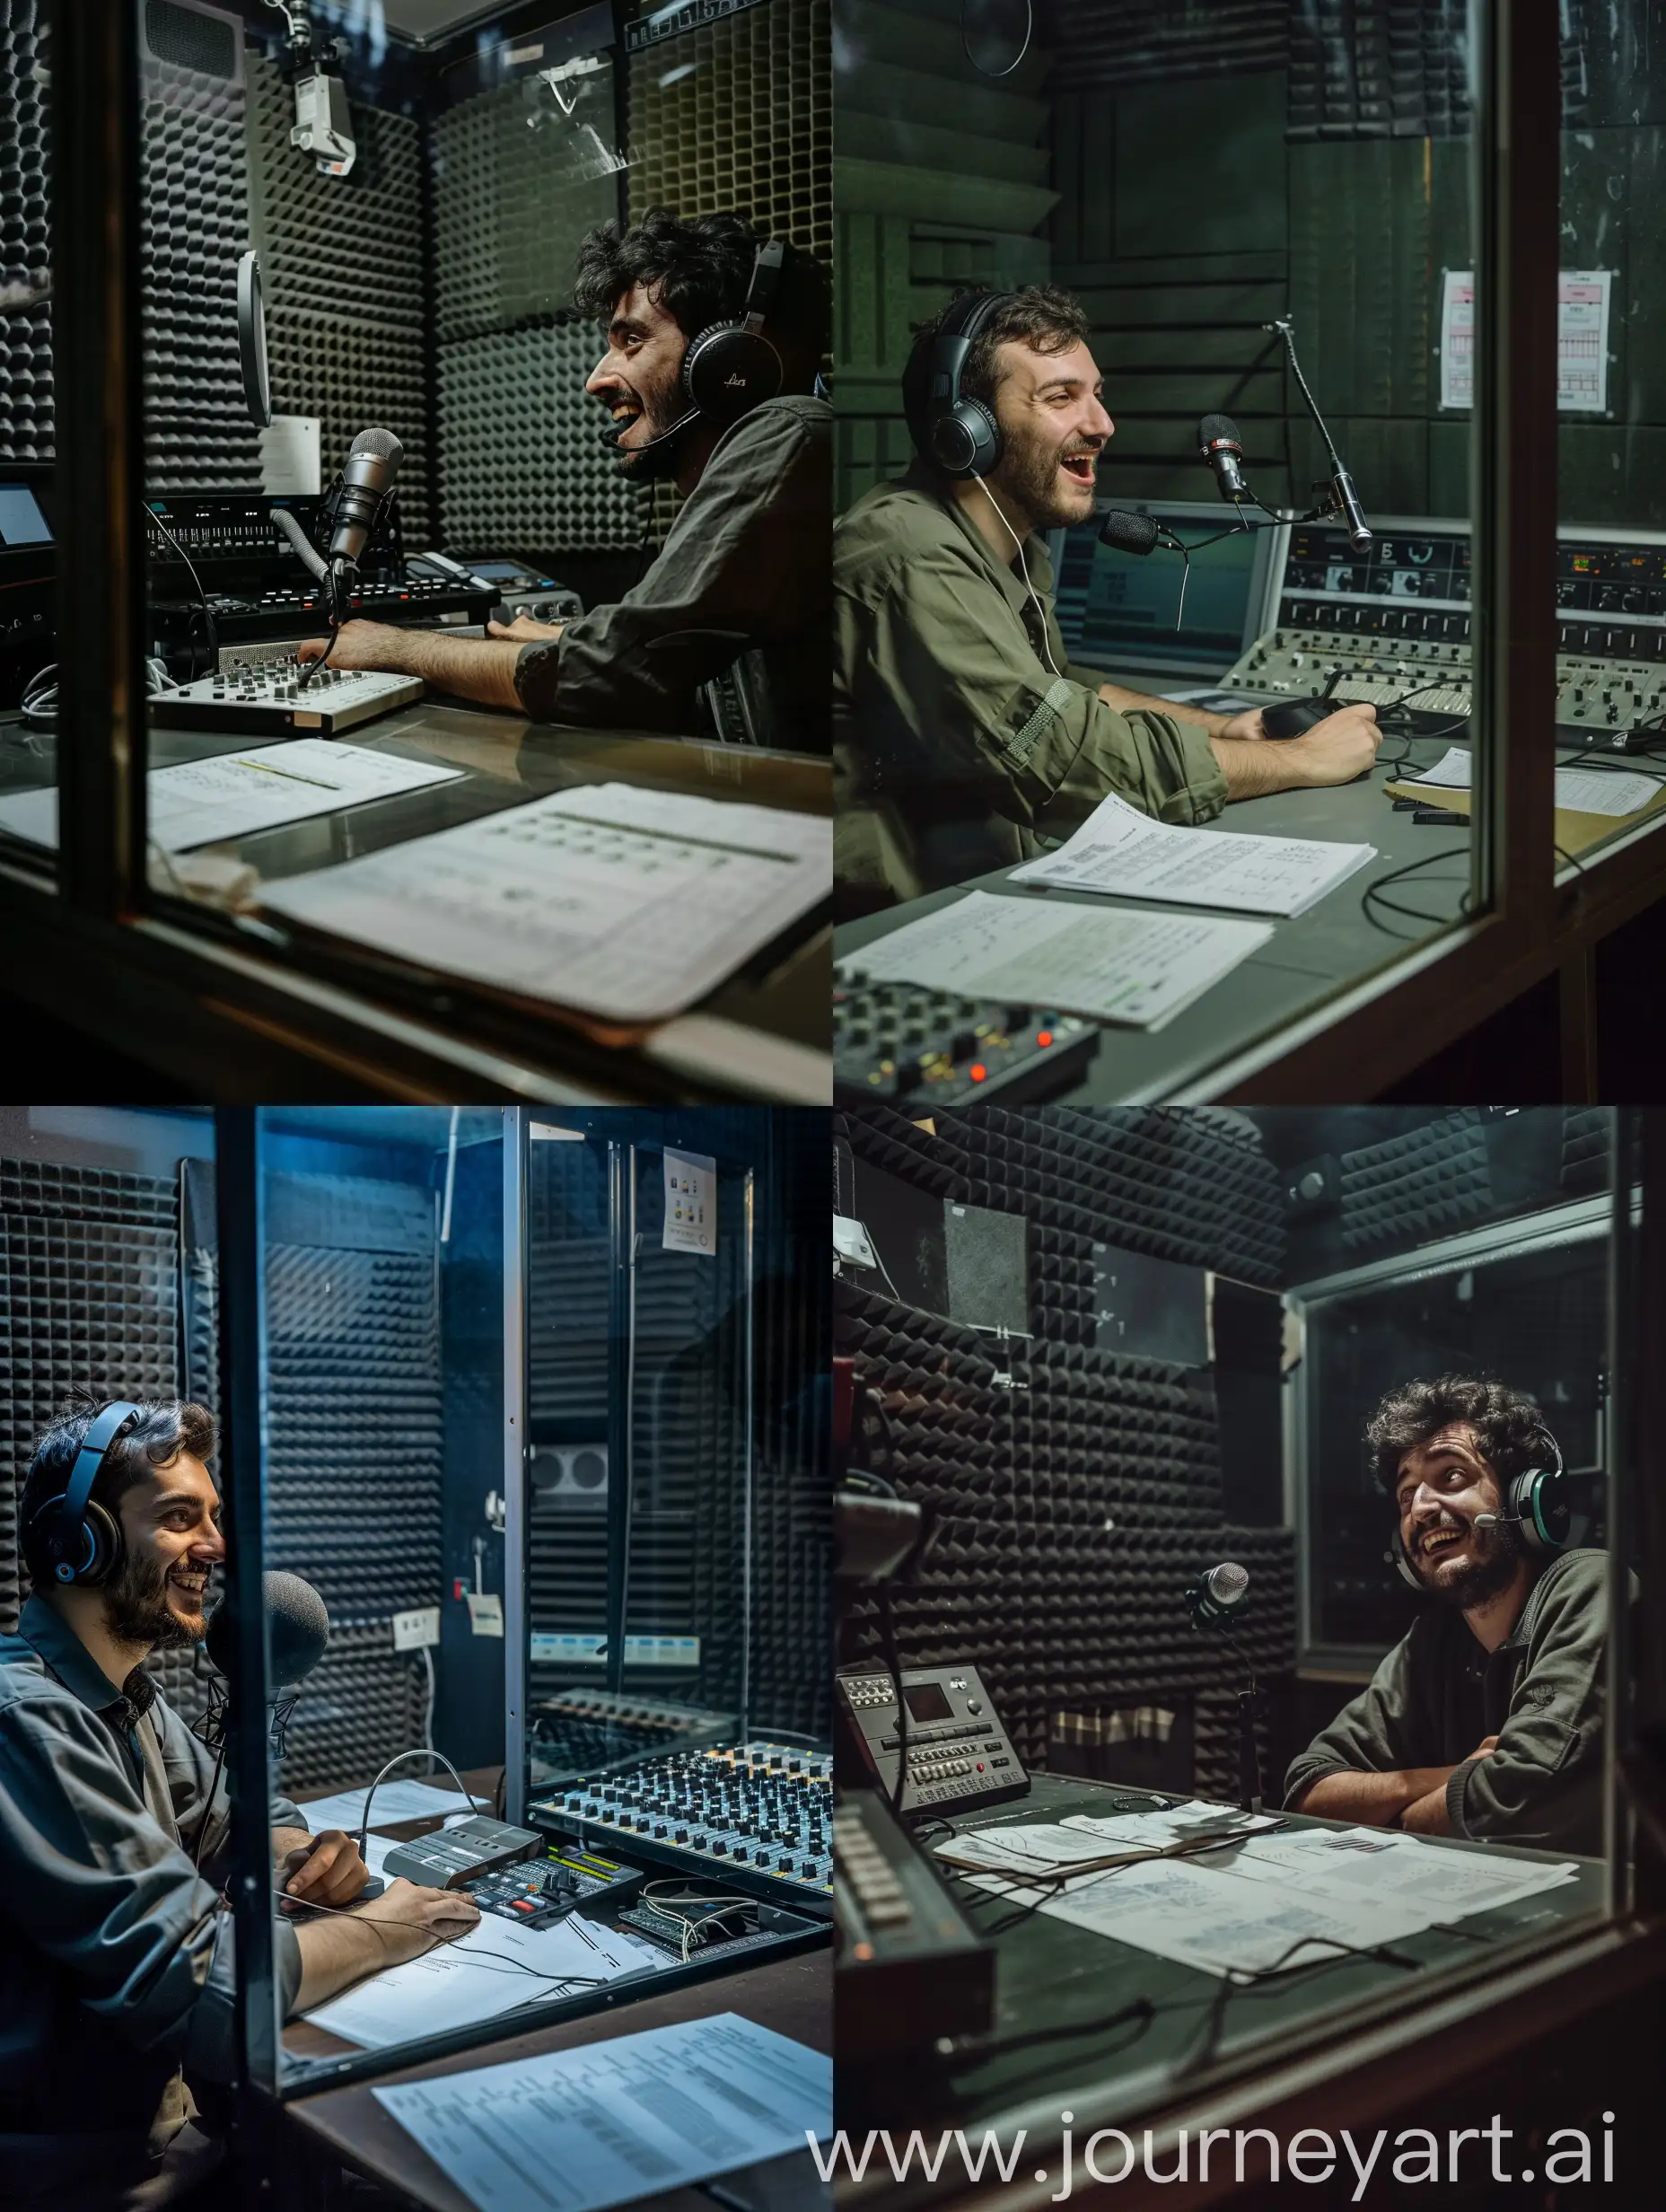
{"x": 614, "y": 432}
{"x": 1221, "y": 446}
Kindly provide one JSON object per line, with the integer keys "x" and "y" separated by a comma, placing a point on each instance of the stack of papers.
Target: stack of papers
{"x": 393, "y": 1803}
{"x": 619, "y": 901}
{"x": 1579, "y": 791}
{"x": 1127, "y": 854}
{"x": 1135, "y": 968}
{"x": 206, "y": 802}
{"x": 643, "y": 2114}
{"x": 1080, "y": 1843}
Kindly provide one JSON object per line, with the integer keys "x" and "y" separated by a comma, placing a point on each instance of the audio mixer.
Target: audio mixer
{"x": 910, "y": 1966}
{"x": 540, "y": 1892}
{"x": 577, "y": 1732}
{"x": 960, "y": 1755}
{"x": 757, "y": 1813}
{"x": 264, "y": 697}
{"x": 1392, "y": 624}
{"x": 901, "y": 1043}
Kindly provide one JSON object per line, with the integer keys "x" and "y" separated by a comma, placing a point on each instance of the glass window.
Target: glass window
{"x": 1260, "y": 238}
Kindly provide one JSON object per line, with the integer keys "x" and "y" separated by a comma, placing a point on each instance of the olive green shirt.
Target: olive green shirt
{"x": 1439, "y": 1691}
{"x": 964, "y": 740}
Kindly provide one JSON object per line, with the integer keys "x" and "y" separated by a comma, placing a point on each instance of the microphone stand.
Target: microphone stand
{"x": 1250, "y": 1704}
{"x": 1344, "y": 500}
{"x": 337, "y": 579}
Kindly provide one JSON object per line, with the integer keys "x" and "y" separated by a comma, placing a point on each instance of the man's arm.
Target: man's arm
{"x": 1334, "y": 751}
{"x": 482, "y": 669}
{"x": 401, "y": 1924}
{"x": 1374, "y": 1800}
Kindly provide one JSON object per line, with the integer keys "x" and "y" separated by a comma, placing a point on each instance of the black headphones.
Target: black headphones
{"x": 77, "y": 1540}
{"x": 732, "y": 367}
{"x": 1537, "y": 1501}
{"x": 958, "y": 435}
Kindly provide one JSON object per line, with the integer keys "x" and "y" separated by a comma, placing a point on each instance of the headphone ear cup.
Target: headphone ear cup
{"x": 966, "y": 440}
{"x": 727, "y": 371}
{"x": 104, "y": 1545}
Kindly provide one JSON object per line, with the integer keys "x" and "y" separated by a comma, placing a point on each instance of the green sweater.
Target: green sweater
{"x": 1438, "y": 1693}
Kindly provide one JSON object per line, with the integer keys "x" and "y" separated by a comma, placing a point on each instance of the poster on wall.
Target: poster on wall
{"x": 690, "y": 1203}
{"x": 1583, "y": 296}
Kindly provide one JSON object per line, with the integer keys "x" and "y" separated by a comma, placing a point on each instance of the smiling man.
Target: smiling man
{"x": 1485, "y": 1719}
{"x": 742, "y": 575}
{"x": 964, "y": 740}
{"x": 117, "y": 1960}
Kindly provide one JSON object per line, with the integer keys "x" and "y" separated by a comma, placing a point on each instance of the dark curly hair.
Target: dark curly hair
{"x": 1507, "y": 1423}
{"x": 165, "y": 1428}
{"x": 1044, "y": 316}
{"x": 700, "y": 271}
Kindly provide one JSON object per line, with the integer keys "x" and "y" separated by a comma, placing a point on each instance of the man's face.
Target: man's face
{"x": 637, "y": 378}
{"x": 171, "y": 1522}
{"x": 1053, "y": 426}
{"x": 1442, "y": 1486}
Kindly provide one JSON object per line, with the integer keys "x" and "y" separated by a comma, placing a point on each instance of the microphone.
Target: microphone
{"x": 299, "y": 1629}
{"x": 1353, "y": 513}
{"x": 1221, "y": 446}
{"x": 1221, "y": 1597}
{"x": 1130, "y": 532}
{"x": 372, "y": 462}
{"x": 616, "y": 431}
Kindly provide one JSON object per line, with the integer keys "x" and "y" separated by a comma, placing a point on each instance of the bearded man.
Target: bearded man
{"x": 1485, "y": 1719}
{"x": 964, "y": 740}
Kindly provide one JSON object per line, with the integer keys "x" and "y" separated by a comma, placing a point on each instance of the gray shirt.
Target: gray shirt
{"x": 744, "y": 569}
{"x": 1439, "y": 1691}
{"x": 117, "y": 1967}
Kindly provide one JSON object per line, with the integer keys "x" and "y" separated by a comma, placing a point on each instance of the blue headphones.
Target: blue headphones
{"x": 78, "y": 1540}
{"x": 1537, "y": 1501}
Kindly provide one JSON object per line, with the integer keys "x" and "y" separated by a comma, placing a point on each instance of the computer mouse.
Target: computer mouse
{"x": 1294, "y": 717}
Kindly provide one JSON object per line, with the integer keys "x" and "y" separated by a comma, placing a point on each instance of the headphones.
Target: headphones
{"x": 732, "y": 367}
{"x": 1536, "y": 1502}
{"x": 958, "y": 435}
{"x": 77, "y": 1540}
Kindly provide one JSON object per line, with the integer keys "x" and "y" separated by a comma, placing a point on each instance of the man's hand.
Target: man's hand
{"x": 1248, "y": 725}
{"x": 363, "y": 645}
{"x": 524, "y": 628}
{"x": 413, "y": 1919}
{"x": 1336, "y": 750}
{"x": 326, "y": 1870}
{"x": 399, "y": 1926}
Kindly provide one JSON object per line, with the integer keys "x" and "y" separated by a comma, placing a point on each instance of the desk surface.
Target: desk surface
{"x": 1052, "y": 1978}
{"x": 1335, "y": 945}
{"x": 735, "y": 1040}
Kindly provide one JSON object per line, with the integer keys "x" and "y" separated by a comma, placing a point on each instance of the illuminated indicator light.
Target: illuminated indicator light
{"x": 978, "y": 1071}
{"x": 1044, "y": 1036}
{"x": 864, "y": 1951}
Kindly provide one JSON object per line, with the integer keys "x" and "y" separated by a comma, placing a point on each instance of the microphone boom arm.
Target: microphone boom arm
{"x": 1345, "y": 499}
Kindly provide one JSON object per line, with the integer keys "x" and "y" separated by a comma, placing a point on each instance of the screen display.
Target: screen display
{"x": 21, "y": 522}
{"x": 928, "y": 1701}
{"x": 1121, "y": 610}
{"x": 496, "y": 572}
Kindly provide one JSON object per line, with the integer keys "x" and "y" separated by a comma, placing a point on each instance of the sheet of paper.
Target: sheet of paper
{"x": 394, "y": 1802}
{"x": 1583, "y": 296}
{"x": 625, "y": 903}
{"x": 236, "y": 794}
{"x": 574, "y": 2130}
{"x": 1458, "y": 337}
{"x": 690, "y": 1203}
{"x": 1579, "y": 791}
{"x": 1127, "y": 854}
{"x": 1384, "y": 1864}
{"x": 496, "y": 1967}
{"x": 1197, "y": 1817}
{"x": 1137, "y": 969}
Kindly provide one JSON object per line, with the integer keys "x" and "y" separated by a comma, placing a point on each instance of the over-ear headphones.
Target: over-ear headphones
{"x": 732, "y": 367}
{"x": 958, "y": 435}
{"x": 1537, "y": 1501}
{"x": 74, "y": 1538}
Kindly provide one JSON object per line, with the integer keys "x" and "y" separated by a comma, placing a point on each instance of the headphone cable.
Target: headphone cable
{"x": 1024, "y": 565}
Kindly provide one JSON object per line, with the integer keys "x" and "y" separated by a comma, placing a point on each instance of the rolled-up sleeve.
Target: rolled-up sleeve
{"x": 1035, "y": 747}
{"x": 91, "y": 1880}
{"x": 1370, "y": 1734}
{"x": 1541, "y": 1783}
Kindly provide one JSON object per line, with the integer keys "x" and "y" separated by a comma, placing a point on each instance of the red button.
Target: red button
{"x": 977, "y": 1072}
{"x": 520, "y": 1904}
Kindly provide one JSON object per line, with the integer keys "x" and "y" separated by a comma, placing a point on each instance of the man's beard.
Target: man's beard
{"x": 1030, "y": 478}
{"x": 656, "y": 459}
{"x": 136, "y": 1607}
{"x": 1500, "y": 1549}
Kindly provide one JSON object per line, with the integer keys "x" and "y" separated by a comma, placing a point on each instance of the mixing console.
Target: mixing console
{"x": 1393, "y": 625}
{"x": 265, "y": 696}
{"x": 538, "y": 1893}
{"x": 579, "y": 1732}
{"x": 759, "y": 1812}
{"x": 899, "y": 1042}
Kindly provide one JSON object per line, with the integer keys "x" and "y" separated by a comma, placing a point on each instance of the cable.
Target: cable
{"x": 893, "y": 1660}
{"x": 427, "y": 1716}
{"x": 422, "y": 1750}
{"x": 212, "y": 636}
{"x": 491, "y": 1962}
{"x": 1024, "y": 565}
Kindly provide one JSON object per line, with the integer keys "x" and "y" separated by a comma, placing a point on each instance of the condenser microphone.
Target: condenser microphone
{"x": 1128, "y": 531}
{"x": 298, "y": 1625}
{"x": 1353, "y": 513}
{"x": 1222, "y": 447}
{"x": 372, "y": 462}
{"x": 1219, "y": 1598}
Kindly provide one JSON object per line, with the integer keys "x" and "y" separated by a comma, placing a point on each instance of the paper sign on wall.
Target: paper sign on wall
{"x": 690, "y": 1203}
{"x": 1583, "y": 297}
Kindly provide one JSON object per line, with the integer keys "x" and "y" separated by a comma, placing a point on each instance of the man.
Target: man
{"x": 117, "y": 1966}
{"x": 964, "y": 741}
{"x": 1485, "y": 1719}
{"x": 744, "y": 571}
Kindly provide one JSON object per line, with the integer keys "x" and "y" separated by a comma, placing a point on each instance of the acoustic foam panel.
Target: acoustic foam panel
{"x": 25, "y": 231}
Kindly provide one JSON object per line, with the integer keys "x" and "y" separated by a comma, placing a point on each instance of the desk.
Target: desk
{"x": 763, "y": 1032}
{"x": 1336, "y": 944}
{"x": 1051, "y": 1976}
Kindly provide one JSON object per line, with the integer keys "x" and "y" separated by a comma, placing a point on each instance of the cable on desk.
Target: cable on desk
{"x": 492, "y": 1961}
{"x": 1372, "y": 892}
{"x": 1238, "y": 1977}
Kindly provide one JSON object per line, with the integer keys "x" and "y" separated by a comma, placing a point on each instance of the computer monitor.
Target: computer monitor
{"x": 1122, "y": 613}
{"x": 22, "y": 523}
